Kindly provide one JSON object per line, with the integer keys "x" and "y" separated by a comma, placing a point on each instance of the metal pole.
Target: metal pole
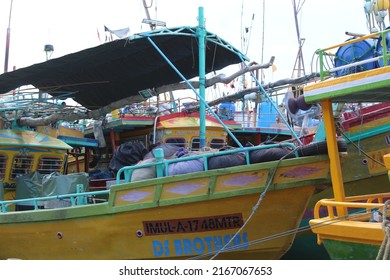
{"x": 201, "y": 34}
{"x": 8, "y": 38}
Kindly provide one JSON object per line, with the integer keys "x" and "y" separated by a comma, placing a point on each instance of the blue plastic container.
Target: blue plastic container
{"x": 227, "y": 110}
{"x": 355, "y": 52}
{"x": 266, "y": 114}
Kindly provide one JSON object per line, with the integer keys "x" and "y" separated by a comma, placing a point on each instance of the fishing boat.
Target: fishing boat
{"x": 214, "y": 210}
{"x": 364, "y": 132}
{"x": 363, "y": 125}
{"x": 355, "y": 226}
{"x": 44, "y": 149}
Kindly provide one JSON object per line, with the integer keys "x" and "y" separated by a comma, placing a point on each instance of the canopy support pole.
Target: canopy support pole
{"x": 201, "y": 34}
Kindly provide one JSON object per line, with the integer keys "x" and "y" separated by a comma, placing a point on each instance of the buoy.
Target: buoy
{"x": 382, "y": 5}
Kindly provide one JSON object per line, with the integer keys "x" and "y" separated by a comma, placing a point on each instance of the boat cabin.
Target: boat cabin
{"x": 23, "y": 152}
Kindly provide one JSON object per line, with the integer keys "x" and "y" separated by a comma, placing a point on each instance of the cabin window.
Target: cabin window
{"x": 21, "y": 165}
{"x": 217, "y": 143}
{"x": 3, "y": 165}
{"x": 48, "y": 165}
{"x": 195, "y": 144}
{"x": 181, "y": 142}
{"x": 214, "y": 144}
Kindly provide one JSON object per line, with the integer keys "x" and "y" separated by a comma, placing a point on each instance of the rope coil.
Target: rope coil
{"x": 384, "y": 250}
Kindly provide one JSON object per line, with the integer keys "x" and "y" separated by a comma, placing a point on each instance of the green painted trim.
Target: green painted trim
{"x": 346, "y": 91}
{"x": 342, "y": 250}
{"x": 157, "y": 194}
{"x": 108, "y": 208}
{"x": 212, "y": 184}
{"x": 77, "y": 141}
{"x": 368, "y": 133}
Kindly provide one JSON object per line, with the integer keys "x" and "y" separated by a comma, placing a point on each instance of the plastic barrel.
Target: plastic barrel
{"x": 379, "y": 48}
{"x": 355, "y": 52}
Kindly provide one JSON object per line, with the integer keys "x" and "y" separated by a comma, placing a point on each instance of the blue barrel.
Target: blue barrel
{"x": 379, "y": 48}
{"x": 355, "y": 52}
{"x": 226, "y": 110}
{"x": 266, "y": 114}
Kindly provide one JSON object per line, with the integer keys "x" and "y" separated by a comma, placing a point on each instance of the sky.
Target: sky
{"x": 73, "y": 25}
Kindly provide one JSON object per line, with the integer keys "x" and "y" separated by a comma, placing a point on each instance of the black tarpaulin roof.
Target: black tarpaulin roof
{"x": 98, "y": 76}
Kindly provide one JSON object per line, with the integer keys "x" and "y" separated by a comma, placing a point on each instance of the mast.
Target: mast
{"x": 299, "y": 64}
{"x": 8, "y": 38}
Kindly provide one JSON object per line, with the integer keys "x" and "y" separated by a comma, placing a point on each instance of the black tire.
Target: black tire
{"x": 301, "y": 103}
{"x": 320, "y": 148}
{"x": 270, "y": 154}
{"x": 225, "y": 161}
{"x": 292, "y": 106}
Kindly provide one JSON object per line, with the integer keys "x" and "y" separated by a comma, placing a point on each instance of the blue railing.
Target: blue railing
{"x": 382, "y": 38}
{"x": 75, "y": 199}
{"x": 162, "y": 164}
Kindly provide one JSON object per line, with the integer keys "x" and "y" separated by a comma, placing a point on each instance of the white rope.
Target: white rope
{"x": 384, "y": 250}
{"x": 254, "y": 209}
{"x": 283, "y": 234}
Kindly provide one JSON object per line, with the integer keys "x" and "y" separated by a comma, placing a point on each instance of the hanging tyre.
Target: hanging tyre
{"x": 320, "y": 148}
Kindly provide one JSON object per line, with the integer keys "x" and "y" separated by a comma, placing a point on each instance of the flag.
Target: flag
{"x": 120, "y": 33}
{"x": 98, "y": 34}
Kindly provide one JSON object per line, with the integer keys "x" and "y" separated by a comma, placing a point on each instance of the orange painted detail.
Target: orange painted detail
{"x": 375, "y": 166}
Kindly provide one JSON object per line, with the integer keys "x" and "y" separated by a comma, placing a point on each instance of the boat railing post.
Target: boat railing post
{"x": 81, "y": 200}
{"x": 384, "y": 47}
{"x": 159, "y": 156}
{"x": 321, "y": 55}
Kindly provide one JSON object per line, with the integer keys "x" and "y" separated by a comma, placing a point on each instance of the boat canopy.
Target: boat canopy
{"x": 26, "y": 138}
{"x": 112, "y": 71}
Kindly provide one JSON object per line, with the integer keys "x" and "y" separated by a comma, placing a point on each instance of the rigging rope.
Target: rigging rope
{"x": 384, "y": 250}
{"x": 341, "y": 130}
{"x": 356, "y": 215}
{"x": 254, "y": 209}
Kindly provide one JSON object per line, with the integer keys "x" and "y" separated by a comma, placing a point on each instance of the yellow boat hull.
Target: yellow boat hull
{"x": 176, "y": 231}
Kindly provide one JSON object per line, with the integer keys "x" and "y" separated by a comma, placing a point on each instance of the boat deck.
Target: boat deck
{"x": 369, "y": 86}
{"x": 357, "y": 80}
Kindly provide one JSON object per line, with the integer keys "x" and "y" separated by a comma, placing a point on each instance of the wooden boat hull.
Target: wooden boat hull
{"x": 354, "y": 236}
{"x": 185, "y": 216}
{"x": 344, "y": 250}
{"x": 115, "y": 236}
{"x": 350, "y": 240}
